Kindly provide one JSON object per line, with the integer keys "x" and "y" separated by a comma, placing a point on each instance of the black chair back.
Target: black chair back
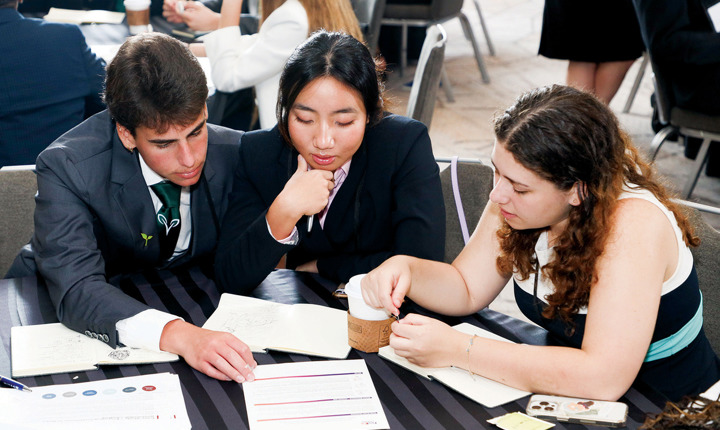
{"x": 369, "y": 13}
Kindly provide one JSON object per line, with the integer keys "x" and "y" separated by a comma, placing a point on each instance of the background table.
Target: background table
{"x": 409, "y": 401}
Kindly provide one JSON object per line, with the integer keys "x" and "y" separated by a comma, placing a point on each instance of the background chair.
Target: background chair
{"x": 706, "y": 264}
{"x": 423, "y": 94}
{"x": 18, "y": 186}
{"x": 369, "y": 13}
{"x": 491, "y": 48}
{"x": 637, "y": 82}
{"x": 684, "y": 122}
{"x": 424, "y": 15}
{"x": 474, "y": 183}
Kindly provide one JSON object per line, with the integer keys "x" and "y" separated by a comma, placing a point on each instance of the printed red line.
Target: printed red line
{"x": 316, "y": 416}
{"x": 308, "y": 376}
{"x": 311, "y": 401}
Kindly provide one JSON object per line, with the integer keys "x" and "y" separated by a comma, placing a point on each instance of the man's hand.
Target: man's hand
{"x": 217, "y": 354}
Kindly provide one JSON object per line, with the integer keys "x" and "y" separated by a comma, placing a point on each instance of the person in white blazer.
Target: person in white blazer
{"x": 241, "y": 61}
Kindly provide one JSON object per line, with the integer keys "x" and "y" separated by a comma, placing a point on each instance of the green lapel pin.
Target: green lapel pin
{"x": 146, "y": 237}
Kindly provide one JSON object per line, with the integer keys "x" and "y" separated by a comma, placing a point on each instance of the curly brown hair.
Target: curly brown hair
{"x": 569, "y": 137}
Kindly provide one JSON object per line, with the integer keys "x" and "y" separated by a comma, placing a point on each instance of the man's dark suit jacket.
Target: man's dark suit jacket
{"x": 686, "y": 48}
{"x": 92, "y": 207}
{"x": 50, "y": 81}
{"x": 391, "y": 203}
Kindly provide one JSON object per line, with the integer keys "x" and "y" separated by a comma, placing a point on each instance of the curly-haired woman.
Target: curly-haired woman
{"x": 598, "y": 253}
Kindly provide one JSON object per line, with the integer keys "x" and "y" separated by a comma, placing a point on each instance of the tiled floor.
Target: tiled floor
{"x": 464, "y": 127}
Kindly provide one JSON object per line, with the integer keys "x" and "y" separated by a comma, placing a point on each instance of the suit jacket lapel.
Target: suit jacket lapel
{"x": 287, "y": 160}
{"x": 204, "y": 231}
{"x": 340, "y": 218}
{"x": 133, "y": 200}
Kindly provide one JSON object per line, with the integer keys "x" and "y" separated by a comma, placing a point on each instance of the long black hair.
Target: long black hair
{"x": 336, "y": 55}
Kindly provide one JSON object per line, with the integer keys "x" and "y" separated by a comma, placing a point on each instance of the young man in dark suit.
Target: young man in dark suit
{"x": 141, "y": 185}
{"x": 51, "y": 81}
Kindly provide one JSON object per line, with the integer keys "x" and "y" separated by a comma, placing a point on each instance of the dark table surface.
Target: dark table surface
{"x": 409, "y": 401}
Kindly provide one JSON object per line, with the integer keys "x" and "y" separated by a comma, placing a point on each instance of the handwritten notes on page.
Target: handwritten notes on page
{"x": 317, "y": 395}
{"x": 53, "y": 348}
{"x": 300, "y": 328}
{"x": 140, "y": 402}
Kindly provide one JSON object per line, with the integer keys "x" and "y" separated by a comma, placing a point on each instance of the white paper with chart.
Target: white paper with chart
{"x": 146, "y": 402}
{"x": 314, "y": 395}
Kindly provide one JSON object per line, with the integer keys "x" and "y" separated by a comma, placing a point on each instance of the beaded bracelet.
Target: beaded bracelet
{"x": 470, "y": 344}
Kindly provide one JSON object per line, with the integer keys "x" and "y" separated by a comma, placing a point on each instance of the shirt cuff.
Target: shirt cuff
{"x": 144, "y": 329}
{"x": 290, "y": 240}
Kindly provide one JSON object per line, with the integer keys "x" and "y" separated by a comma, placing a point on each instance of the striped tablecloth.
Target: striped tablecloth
{"x": 409, "y": 401}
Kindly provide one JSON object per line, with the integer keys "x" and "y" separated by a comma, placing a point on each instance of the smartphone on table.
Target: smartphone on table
{"x": 576, "y": 410}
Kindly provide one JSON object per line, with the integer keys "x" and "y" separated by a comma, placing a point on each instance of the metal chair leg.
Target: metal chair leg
{"x": 491, "y": 48}
{"x": 478, "y": 56}
{"x": 658, "y": 140}
{"x": 699, "y": 163}
{"x": 636, "y": 84}
{"x": 446, "y": 86}
{"x": 403, "y": 48}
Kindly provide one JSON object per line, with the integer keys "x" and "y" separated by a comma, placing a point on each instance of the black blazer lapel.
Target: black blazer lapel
{"x": 203, "y": 207}
{"x": 134, "y": 204}
{"x": 340, "y": 220}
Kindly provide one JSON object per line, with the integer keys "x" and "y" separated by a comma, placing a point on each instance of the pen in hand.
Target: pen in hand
{"x": 14, "y": 384}
{"x": 310, "y": 218}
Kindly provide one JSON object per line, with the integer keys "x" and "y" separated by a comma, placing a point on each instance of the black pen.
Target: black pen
{"x": 15, "y": 384}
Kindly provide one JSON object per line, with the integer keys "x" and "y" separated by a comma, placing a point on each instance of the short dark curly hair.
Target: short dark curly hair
{"x": 154, "y": 81}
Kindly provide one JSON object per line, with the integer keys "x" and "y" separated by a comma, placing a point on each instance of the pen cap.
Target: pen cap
{"x": 356, "y": 303}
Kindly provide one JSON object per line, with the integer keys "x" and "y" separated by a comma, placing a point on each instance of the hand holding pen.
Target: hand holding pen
{"x": 305, "y": 194}
{"x": 14, "y": 384}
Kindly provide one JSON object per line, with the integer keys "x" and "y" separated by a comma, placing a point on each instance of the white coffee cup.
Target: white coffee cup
{"x": 356, "y": 303}
{"x": 138, "y": 15}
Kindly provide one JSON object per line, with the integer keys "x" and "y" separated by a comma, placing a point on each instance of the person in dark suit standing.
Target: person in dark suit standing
{"x": 51, "y": 82}
{"x": 337, "y": 185}
{"x": 685, "y": 48}
{"x": 139, "y": 186}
